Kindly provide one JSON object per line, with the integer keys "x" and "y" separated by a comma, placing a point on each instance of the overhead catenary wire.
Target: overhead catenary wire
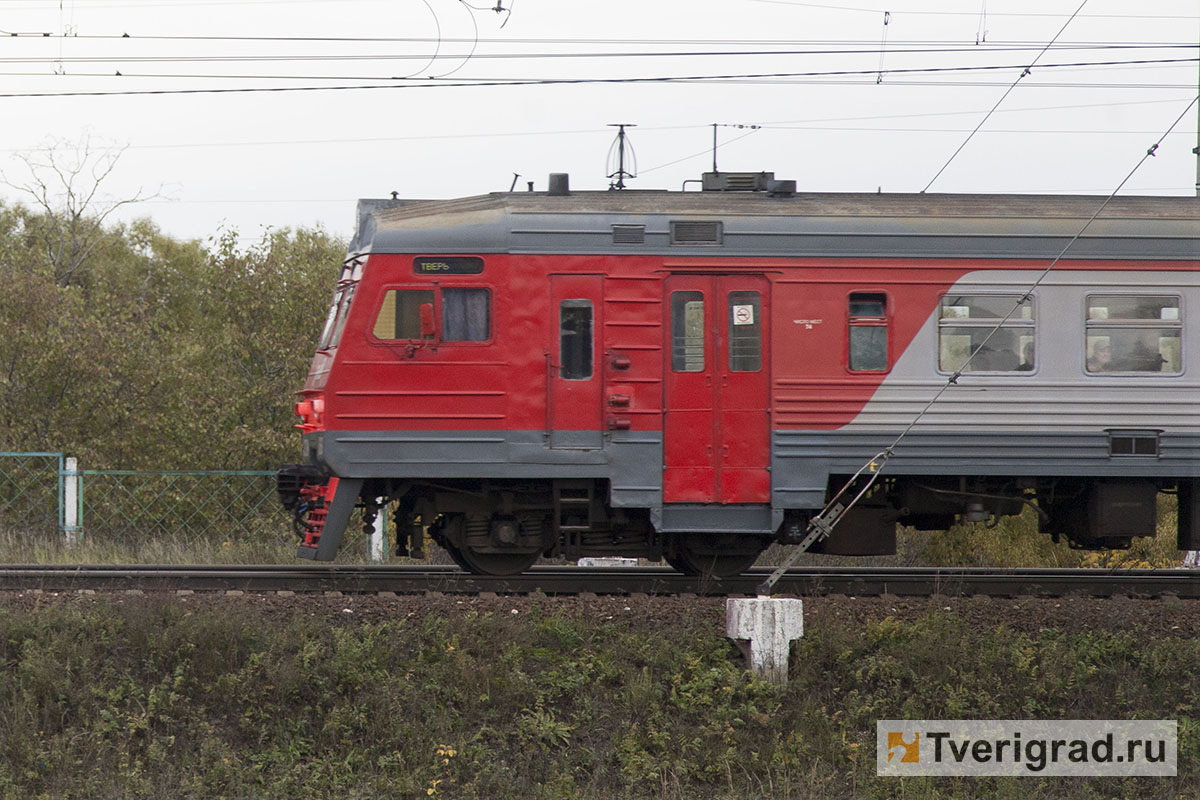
{"x": 576, "y": 54}
{"x": 1003, "y": 97}
{"x": 949, "y": 45}
{"x": 434, "y": 82}
{"x": 770, "y": 125}
{"x": 919, "y": 12}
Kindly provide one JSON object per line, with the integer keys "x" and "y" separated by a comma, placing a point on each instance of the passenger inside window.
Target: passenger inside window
{"x": 1134, "y": 333}
{"x": 1101, "y": 358}
{"x": 986, "y": 333}
{"x": 1026, "y": 364}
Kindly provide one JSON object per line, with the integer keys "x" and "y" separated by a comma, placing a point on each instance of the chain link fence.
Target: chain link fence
{"x": 188, "y": 507}
{"x": 43, "y": 497}
{"x": 31, "y": 492}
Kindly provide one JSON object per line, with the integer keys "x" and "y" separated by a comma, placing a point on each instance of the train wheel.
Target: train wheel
{"x": 452, "y": 529}
{"x": 492, "y": 563}
{"x": 716, "y": 555}
{"x": 456, "y": 556}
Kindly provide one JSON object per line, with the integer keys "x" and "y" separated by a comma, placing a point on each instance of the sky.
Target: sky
{"x": 341, "y": 99}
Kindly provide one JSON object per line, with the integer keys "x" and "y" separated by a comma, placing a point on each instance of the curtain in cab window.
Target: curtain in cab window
{"x": 465, "y": 315}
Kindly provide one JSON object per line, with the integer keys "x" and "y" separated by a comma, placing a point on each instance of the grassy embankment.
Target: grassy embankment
{"x": 206, "y": 697}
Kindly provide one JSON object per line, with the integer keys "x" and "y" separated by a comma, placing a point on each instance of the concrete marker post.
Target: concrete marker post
{"x": 764, "y": 628}
{"x": 72, "y": 503}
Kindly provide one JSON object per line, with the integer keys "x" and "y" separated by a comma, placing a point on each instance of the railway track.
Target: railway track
{"x": 565, "y": 580}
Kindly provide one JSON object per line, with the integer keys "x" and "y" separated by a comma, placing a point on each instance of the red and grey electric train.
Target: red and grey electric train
{"x": 689, "y": 376}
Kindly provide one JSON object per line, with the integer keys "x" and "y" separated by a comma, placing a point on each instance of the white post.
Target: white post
{"x": 72, "y": 503}
{"x": 764, "y": 627}
{"x": 377, "y": 538}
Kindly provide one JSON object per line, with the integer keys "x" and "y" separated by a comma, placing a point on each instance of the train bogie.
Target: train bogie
{"x": 691, "y": 376}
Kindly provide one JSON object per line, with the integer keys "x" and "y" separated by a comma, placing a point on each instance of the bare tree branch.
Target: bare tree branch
{"x": 64, "y": 180}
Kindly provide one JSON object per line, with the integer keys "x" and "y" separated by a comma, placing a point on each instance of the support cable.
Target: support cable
{"x": 1004, "y": 96}
{"x": 822, "y": 525}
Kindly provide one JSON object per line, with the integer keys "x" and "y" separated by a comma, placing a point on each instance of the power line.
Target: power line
{"x": 956, "y": 43}
{"x": 894, "y": 50}
{"x": 862, "y": 10}
{"x": 810, "y": 124}
{"x": 434, "y": 82}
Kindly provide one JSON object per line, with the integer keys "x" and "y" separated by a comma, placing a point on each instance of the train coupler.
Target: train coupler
{"x": 320, "y": 506}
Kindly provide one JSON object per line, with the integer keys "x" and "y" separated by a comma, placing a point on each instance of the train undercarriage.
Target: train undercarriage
{"x": 502, "y": 527}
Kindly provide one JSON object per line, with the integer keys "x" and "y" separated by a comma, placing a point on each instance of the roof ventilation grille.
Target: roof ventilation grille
{"x": 695, "y": 232}
{"x": 737, "y": 181}
{"x": 629, "y": 234}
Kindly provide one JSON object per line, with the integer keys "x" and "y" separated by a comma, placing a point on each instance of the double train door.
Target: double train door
{"x": 716, "y": 425}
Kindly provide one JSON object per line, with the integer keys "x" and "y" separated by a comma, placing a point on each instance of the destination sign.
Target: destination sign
{"x": 448, "y": 265}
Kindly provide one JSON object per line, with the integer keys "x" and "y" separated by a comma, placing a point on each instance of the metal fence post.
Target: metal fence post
{"x": 72, "y": 495}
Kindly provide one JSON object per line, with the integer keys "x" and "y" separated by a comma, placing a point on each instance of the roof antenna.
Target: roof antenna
{"x": 621, "y": 173}
{"x": 516, "y": 178}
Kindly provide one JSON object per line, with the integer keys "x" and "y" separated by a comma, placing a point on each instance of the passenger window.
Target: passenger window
{"x": 1134, "y": 334}
{"x": 466, "y": 315}
{"x": 1004, "y": 322}
{"x": 400, "y": 315}
{"x": 745, "y": 332}
{"x": 575, "y": 339}
{"x": 687, "y": 331}
{"x": 868, "y": 332}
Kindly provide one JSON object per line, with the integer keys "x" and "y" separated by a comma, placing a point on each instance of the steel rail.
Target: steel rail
{"x": 570, "y": 580}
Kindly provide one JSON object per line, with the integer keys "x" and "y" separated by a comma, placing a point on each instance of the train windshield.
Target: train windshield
{"x": 330, "y": 318}
{"x": 335, "y": 321}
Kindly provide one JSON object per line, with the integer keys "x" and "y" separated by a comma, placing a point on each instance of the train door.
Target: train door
{"x": 716, "y": 424}
{"x": 574, "y": 406}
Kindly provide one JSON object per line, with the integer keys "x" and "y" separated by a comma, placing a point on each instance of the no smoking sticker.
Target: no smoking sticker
{"x": 743, "y": 315}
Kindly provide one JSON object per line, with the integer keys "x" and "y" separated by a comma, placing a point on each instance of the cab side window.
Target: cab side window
{"x": 460, "y": 314}
{"x": 400, "y": 315}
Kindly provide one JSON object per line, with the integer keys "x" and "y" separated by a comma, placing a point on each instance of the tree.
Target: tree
{"x": 64, "y": 180}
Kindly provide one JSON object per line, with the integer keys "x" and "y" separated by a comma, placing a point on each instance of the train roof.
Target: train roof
{"x": 787, "y": 224}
